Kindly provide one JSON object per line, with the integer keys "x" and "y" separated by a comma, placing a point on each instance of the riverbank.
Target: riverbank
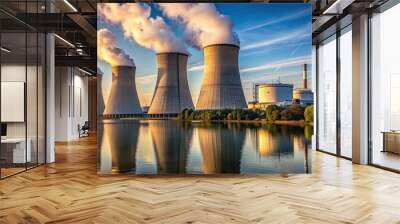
{"x": 300, "y": 123}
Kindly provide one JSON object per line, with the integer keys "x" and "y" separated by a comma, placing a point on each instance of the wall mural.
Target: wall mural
{"x": 202, "y": 88}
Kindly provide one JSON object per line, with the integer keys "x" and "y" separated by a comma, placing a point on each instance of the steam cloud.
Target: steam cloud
{"x": 107, "y": 51}
{"x": 204, "y": 25}
{"x": 135, "y": 20}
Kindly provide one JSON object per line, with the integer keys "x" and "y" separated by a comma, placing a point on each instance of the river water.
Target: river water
{"x": 179, "y": 147}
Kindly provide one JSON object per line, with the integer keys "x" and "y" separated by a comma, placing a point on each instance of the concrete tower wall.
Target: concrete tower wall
{"x": 100, "y": 98}
{"x": 172, "y": 93}
{"x": 123, "y": 97}
{"x": 221, "y": 86}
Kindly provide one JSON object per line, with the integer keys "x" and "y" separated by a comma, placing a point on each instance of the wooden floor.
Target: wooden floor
{"x": 70, "y": 191}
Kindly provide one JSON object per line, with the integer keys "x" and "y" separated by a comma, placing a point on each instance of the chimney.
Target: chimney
{"x": 221, "y": 86}
{"x": 305, "y": 76}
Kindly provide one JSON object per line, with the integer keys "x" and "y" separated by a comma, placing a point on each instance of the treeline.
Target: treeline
{"x": 271, "y": 113}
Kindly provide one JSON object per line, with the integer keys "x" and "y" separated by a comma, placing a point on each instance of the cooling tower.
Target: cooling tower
{"x": 221, "y": 86}
{"x": 123, "y": 98}
{"x": 100, "y": 99}
{"x": 172, "y": 93}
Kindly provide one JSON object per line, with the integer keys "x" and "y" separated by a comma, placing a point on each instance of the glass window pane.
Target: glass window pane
{"x": 327, "y": 96}
{"x": 31, "y": 97}
{"x": 385, "y": 84}
{"x": 41, "y": 98}
{"x": 346, "y": 94}
{"x": 14, "y": 153}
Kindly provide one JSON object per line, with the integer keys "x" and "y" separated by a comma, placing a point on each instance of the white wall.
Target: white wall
{"x": 71, "y": 102}
{"x": 16, "y": 73}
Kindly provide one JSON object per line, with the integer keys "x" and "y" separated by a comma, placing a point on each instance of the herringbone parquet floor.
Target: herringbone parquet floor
{"x": 70, "y": 191}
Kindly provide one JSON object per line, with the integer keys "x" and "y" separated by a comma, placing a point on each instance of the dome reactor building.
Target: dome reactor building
{"x": 123, "y": 99}
{"x": 172, "y": 93}
{"x": 221, "y": 87}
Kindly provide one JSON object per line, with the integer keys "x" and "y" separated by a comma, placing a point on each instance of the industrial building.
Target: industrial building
{"x": 221, "y": 87}
{"x": 303, "y": 96}
{"x": 281, "y": 94}
{"x": 172, "y": 93}
{"x": 123, "y": 100}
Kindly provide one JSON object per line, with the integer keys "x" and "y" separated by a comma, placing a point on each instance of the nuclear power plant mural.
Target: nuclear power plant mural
{"x": 184, "y": 75}
{"x": 172, "y": 93}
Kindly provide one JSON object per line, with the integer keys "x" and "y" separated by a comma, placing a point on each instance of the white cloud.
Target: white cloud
{"x": 196, "y": 68}
{"x": 146, "y": 79}
{"x": 278, "y": 64}
{"x": 279, "y": 20}
{"x": 293, "y": 36}
{"x": 271, "y": 76}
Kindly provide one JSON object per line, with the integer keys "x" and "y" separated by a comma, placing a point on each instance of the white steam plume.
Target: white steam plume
{"x": 136, "y": 23}
{"x": 107, "y": 50}
{"x": 204, "y": 25}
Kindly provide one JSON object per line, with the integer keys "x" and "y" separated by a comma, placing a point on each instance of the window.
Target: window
{"x": 22, "y": 87}
{"x": 385, "y": 89}
{"x": 346, "y": 92}
{"x": 327, "y": 96}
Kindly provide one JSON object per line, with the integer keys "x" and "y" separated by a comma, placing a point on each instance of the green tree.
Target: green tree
{"x": 272, "y": 112}
{"x": 187, "y": 113}
{"x": 239, "y": 115}
{"x": 293, "y": 112}
{"x": 309, "y": 114}
{"x": 229, "y": 116}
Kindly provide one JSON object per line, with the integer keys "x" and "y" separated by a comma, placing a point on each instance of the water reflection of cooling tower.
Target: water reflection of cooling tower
{"x": 122, "y": 139}
{"x": 269, "y": 144}
{"x": 171, "y": 140}
{"x": 172, "y": 93}
{"x": 221, "y": 86}
{"x": 221, "y": 149}
{"x": 123, "y": 99}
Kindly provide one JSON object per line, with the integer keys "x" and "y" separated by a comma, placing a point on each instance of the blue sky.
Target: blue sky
{"x": 275, "y": 40}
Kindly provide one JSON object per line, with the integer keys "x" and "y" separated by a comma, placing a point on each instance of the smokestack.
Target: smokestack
{"x": 172, "y": 93}
{"x": 305, "y": 76}
{"x": 123, "y": 99}
{"x": 221, "y": 86}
